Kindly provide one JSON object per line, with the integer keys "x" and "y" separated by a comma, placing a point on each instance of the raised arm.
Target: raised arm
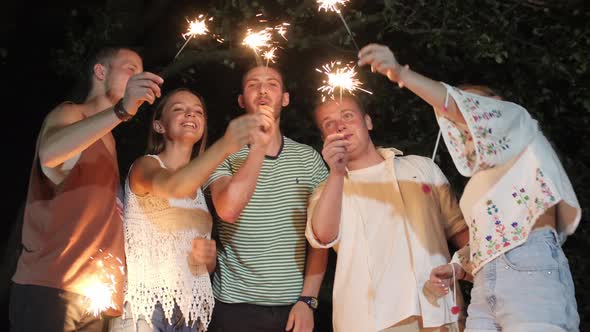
{"x": 326, "y": 210}
{"x": 66, "y": 133}
{"x": 382, "y": 60}
{"x": 147, "y": 176}
{"x": 231, "y": 194}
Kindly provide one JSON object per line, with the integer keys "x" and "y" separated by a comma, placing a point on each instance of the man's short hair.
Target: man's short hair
{"x": 319, "y": 102}
{"x": 276, "y": 68}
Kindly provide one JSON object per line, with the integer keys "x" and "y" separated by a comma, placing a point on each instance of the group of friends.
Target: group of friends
{"x": 279, "y": 205}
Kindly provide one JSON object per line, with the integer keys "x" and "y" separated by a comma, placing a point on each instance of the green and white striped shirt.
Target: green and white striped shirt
{"x": 262, "y": 255}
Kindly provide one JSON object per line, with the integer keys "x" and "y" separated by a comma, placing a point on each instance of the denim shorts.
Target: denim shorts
{"x": 159, "y": 323}
{"x": 528, "y": 288}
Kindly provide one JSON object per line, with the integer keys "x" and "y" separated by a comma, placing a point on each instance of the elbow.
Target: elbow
{"x": 325, "y": 238}
{"x": 46, "y": 159}
{"x": 228, "y": 215}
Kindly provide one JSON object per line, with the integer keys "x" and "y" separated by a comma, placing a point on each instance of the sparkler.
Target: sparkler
{"x": 331, "y": 5}
{"x": 261, "y": 41}
{"x": 100, "y": 289}
{"x": 341, "y": 77}
{"x": 198, "y": 27}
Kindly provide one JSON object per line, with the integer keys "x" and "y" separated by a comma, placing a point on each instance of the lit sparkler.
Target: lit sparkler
{"x": 341, "y": 77}
{"x": 198, "y": 27}
{"x": 331, "y": 5}
{"x": 269, "y": 55}
{"x": 100, "y": 289}
{"x": 258, "y": 40}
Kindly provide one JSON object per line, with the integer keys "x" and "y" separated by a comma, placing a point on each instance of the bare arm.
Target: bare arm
{"x": 326, "y": 213}
{"x": 315, "y": 268}
{"x": 382, "y": 60}
{"x": 148, "y": 176}
{"x": 301, "y": 316}
{"x": 231, "y": 194}
{"x": 66, "y": 133}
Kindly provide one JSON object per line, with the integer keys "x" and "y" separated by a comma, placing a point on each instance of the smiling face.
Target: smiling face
{"x": 183, "y": 118}
{"x": 347, "y": 118}
{"x": 263, "y": 86}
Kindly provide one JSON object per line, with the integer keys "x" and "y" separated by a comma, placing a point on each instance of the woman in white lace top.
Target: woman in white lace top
{"x": 519, "y": 205}
{"x": 167, "y": 223}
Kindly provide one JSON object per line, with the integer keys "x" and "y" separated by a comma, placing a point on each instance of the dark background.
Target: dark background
{"x": 535, "y": 52}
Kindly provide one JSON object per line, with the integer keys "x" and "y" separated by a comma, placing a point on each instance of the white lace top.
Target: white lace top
{"x": 158, "y": 240}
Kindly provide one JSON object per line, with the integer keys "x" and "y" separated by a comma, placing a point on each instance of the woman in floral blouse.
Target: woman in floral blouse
{"x": 519, "y": 205}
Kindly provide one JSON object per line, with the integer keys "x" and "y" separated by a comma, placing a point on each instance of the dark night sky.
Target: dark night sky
{"x": 30, "y": 87}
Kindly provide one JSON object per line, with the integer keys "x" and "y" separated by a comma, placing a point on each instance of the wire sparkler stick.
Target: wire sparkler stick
{"x": 331, "y": 5}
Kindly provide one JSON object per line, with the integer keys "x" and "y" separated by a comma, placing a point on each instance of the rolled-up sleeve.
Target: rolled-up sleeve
{"x": 495, "y": 132}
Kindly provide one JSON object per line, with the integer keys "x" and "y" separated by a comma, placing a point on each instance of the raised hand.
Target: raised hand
{"x": 381, "y": 60}
{"x": 264, "y": 135}
{"x": 241, "y": 131}
{"x": 142, "y": 87}
{"x": 335, "y": 154}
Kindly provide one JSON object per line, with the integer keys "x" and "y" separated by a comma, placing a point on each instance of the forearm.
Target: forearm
{"x": 211, "y": 265}
{"x": 187, "y": 180}
{"x": 61, "y": 144}
{"x": 325, "y": 220}
{"x": 432, "y": 92}
{"x": 231, "y": 200}
{"x": 317, "y": 260}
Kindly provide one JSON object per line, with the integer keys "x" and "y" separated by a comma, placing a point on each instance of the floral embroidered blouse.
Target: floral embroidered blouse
{"x": 515, "y": 177}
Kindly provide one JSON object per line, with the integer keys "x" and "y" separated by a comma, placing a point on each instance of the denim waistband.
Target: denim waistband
{"x": 543, "y": 234}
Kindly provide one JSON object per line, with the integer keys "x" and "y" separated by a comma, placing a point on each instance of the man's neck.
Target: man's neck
{"x": 274, "y": 147}
{"x": 369, "y": 157}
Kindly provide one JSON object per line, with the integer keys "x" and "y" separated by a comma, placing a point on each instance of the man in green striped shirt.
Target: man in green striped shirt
{"x": 264, "y": 280}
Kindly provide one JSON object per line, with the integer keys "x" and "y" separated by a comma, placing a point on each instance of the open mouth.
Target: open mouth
{"x": 189, "y": 125}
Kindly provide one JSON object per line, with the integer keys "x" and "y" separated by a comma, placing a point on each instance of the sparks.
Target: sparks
{"x": 197, "y": 27}
{"x": 269, "y": 55}
{"x": 331, "y": 5}
{"x": 258, "y": 40}
{"x": 281, "y": 29}
{"x": 340, "y": 77}
{"x": 100, "y": 289}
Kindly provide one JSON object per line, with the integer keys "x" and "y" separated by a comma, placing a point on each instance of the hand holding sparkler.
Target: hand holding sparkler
{"x": 381, "y": 60}
{"x": 335, "y": 152}
{"x": 339, "y": 77}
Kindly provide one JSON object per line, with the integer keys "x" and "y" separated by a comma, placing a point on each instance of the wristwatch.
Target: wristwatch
{"x": 121, "y": 112}
{"x": 311, "y": 301}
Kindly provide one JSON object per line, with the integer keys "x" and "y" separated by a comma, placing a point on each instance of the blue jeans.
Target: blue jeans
{"x": 177, "y": 323}
{"x": 528, "y": 288}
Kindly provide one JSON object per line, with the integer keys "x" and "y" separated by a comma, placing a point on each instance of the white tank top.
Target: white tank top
{"x": 158, "y": 240}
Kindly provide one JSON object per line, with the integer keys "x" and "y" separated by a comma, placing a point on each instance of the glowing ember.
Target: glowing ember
{"x": 100, "y": 289}
{"x": 331, "y": 5}
{"x": 197, "y": 27}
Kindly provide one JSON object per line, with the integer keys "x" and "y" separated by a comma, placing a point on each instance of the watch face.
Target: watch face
{"x": 313, "y": 302}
